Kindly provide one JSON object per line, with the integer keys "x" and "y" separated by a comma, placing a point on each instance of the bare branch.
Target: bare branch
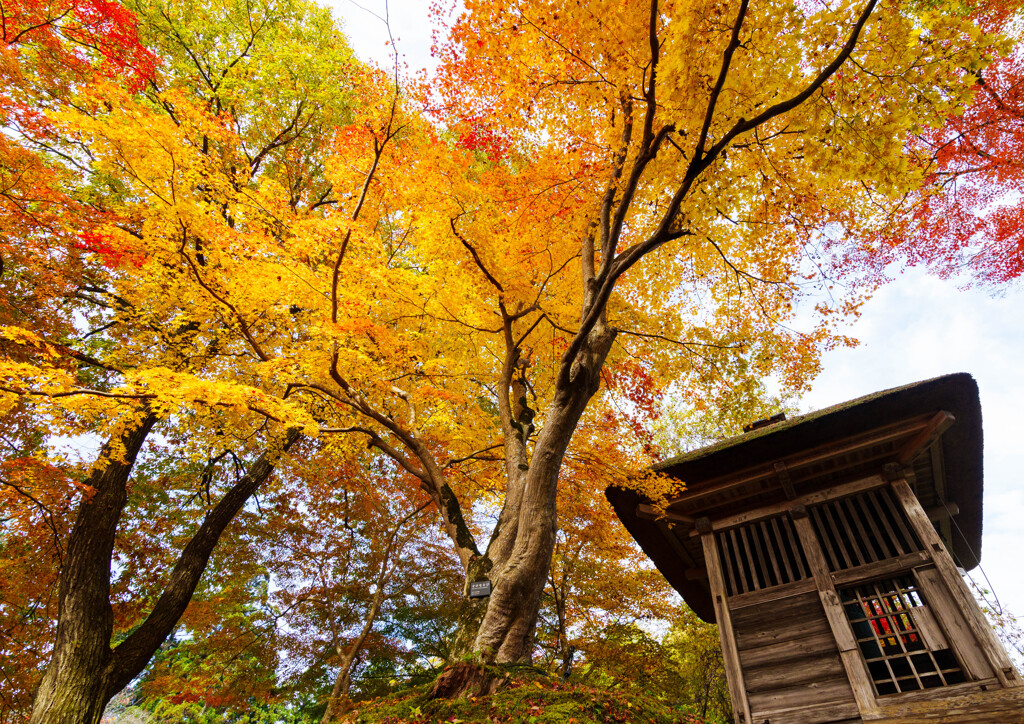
{"x": 476, "y": 257}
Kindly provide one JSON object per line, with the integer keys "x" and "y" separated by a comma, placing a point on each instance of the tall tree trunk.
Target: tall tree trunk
{"x": 74, "y": 687}
{"x": 84, "y": 673}
{"x": 506, "y": 633}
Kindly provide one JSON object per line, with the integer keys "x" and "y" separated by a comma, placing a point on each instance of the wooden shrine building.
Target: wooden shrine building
{"x": 827, "y": 549}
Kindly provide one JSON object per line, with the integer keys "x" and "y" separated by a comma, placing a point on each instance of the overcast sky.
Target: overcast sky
{"x": 916, "y": 328}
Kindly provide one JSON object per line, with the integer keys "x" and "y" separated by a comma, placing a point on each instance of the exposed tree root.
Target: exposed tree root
{"x": 466, "y": 679}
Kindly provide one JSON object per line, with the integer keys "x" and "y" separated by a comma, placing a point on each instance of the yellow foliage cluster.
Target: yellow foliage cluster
{"x": 287, "y": 239}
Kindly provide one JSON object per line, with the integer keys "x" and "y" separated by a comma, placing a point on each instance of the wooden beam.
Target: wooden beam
{"x": 890, "y": 567}
{"x": 676, "y": 544}
{"x": 695, "y": 574}
{"x": 730, "y": 653}
{"x": 785, "y": 482}
{"x": 849, "y": 652}
{"x": 954, "y": 583}
{"x": 643, "y": 510}
{"x": 808, "y": 457}
{"x": 767, "y": 595}
{"x": 836, "y": 491}
{"x": 931, "y": 432}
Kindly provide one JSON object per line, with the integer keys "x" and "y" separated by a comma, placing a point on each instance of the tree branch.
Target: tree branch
{"x": 131, "y": 655}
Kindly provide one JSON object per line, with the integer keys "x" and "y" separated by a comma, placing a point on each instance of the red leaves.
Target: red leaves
{"x": 969, "y": 215}
{"x": 481, "y": 137}
{"x": 81, "y": 35}
{"x": 643, "y": 395}
{"x": 112, "y": 257}
{"x": 110, "y": 29}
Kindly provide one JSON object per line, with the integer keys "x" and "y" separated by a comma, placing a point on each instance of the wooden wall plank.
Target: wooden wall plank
{"x": 833, "y": 691}
{"x": 773, "y": 630}
{"x": 756, "y": 598}
{"x": 796, "y": 672}
{"x": 818, "y": 644}
{"x": 803, "y": 604}
{"x": 843, "y": 713}
{"x": 799, "y": 598}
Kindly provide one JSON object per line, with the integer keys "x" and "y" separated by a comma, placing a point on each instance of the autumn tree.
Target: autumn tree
{"x": 45, "y": 50}
{"x": 302, "y": 598}
{"x": 344, "y": 556}
{"x": 695, "y": 649}
{"x": 694, "y": 144}
{"x": 105, "y": 336}
{"x": 623, "y": 188}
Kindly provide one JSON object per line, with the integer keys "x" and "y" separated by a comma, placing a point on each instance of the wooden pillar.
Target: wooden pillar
{"x": 730, "y": 653}
{"x": 950, "y": 576}
{"x": 849, "y": 651}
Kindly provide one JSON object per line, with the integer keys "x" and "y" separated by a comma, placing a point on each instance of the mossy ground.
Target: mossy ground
{"x": 529, "y": 698}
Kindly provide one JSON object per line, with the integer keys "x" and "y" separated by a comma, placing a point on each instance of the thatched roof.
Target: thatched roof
{"x": 948, "y": 472}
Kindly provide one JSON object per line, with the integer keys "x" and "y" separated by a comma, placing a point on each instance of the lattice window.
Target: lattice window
{"x": 760, "y": 555}
{"x": 903, "y": 647}
{"x": 864, "y": 528}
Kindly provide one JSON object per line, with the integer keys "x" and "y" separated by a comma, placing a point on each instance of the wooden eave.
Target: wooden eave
{"x": 934, "y": 427}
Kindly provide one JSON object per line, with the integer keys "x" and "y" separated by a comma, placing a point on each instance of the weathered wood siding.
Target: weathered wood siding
{"x": 791, "y": 666}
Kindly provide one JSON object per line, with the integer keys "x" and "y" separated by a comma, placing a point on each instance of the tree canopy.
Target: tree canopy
{"x": 301, "y": 305}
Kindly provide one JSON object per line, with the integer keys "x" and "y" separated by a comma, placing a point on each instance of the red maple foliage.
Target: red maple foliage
{"x": 968, "y": 217}
{"x": 110, "y": 255}
{"x": 79, "y": 35}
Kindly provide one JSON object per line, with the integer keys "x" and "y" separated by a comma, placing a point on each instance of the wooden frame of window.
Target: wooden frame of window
{"x": 902, "y": 645}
